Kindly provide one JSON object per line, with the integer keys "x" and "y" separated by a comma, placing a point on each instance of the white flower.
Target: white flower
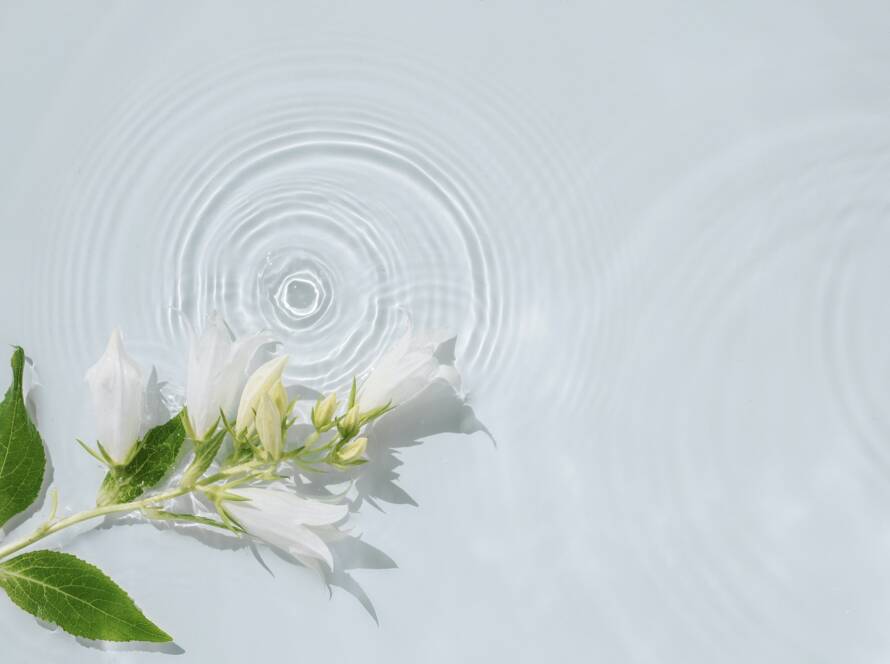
{"x": 405, "y": 370}
{"x": 265, "y": 380}
{"x": 117, "y": 386}
{"x": 284, "y": 520}
{"x": 217, "y": 370}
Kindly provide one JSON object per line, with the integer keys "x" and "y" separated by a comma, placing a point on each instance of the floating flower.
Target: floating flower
{"x": 405, "y": 370}
{"x": 284, "y": 520}
{"x": 217, "y": 371}
{"x": 117, "y": 385}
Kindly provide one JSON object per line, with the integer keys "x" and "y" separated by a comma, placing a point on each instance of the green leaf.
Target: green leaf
{"x": 154, "y": 457}
{"x": 77, "y": 596}
{"x": 22, "y": 459}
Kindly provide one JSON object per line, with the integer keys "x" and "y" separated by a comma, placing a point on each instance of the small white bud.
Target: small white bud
{"x": 324, "y": 411}
{"x": 348, "y": 425}
{"x": 352, "y": 450}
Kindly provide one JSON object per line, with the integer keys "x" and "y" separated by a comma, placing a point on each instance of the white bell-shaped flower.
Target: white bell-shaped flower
{"x": 405, "y": 371}
{"x": 217, "y": 372}
{"x": 117, "y": 386}
{"x": 285, "y": 520}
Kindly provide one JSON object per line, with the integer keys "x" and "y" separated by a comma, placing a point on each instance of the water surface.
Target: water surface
{"x": 659, "y": 230}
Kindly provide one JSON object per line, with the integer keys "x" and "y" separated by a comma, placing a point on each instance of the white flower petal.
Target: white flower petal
{"x": 287, "y": 505}
{"x": 281, "y": 519}
{"x": 406, "y": 370}
{"x": 304, "y": 544}
{"x": 217, "y": 371}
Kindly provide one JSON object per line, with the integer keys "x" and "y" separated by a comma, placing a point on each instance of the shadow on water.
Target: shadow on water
{"x": 171, "y": 648}
{"x": 438, "y": 409}
{"x": 349, "y": 552}
{"x": 157, "y": 410}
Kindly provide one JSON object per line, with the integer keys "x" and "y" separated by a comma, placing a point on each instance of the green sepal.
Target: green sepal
{"x": 154, "y": 457}
{"x": 22, "y": 459}
{"x": 187, "y": 423}
{"x": 376, "y": 412}
{"x": 352, "y": 392}
{"x": 93, "y": 453}
{"x": 205, "y": 453}
{"x": 163, "y": 515}
{"x": 106, "y": 457}
{"x": 77, "y": 596}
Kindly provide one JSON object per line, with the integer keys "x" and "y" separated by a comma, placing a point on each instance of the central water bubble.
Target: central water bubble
{"x": 299, "y": 295}
{"x": 296, "y": 290}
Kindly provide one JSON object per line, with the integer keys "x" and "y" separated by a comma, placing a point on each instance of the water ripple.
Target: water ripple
{"x": 257, "y": 188}
{"x": 765, "y": 280}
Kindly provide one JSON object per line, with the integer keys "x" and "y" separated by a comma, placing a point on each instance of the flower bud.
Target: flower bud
{"x": 260, "y": 382}
{"x": 349, "y": 424}
{"x": 279, "y": 397}
{"x": 324, "y": 411}
{"x": 352, "y": 450}
{"x": 268, "y": 426}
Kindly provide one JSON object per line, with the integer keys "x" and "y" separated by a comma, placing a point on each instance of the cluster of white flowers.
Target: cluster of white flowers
{"x": 226, "y": 402}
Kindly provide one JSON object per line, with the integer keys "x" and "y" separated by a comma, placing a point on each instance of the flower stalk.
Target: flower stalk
{"x": 52, "y": 526}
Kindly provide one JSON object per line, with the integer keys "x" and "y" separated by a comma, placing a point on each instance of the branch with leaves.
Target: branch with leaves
{"x": 230, "y": 448}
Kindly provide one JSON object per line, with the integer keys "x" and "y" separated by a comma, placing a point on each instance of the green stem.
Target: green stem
{"x": 51, "y": 527}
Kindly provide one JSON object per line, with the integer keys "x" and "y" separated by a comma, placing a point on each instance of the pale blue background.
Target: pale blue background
{"x": 661, "y": 231}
